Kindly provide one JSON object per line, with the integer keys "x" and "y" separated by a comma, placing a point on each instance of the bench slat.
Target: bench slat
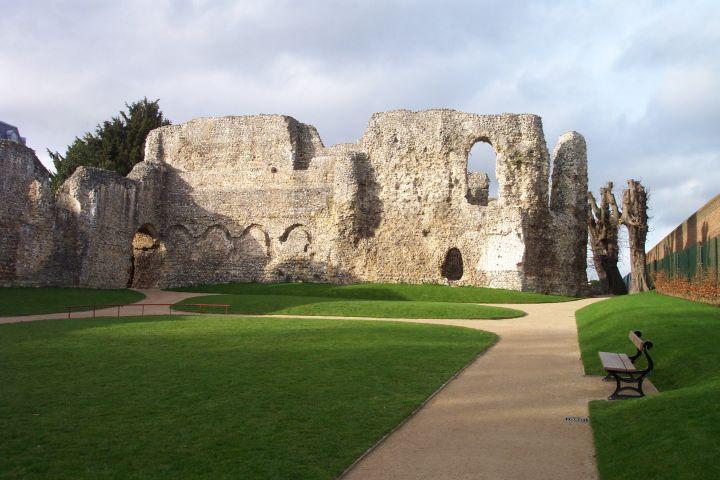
{"x": 639, "y": 342}
{"x": 616, "y": 362}
{"x": 627, "y": 362}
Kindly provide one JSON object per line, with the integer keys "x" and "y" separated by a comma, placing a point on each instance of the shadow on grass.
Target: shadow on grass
{"x": 375, "y": 291}
{"x": 319, "y": 306}
{"x": 37, "y": 300}
{"x": 678, "y": 427}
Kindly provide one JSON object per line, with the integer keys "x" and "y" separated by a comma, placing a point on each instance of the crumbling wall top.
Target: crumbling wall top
{"x": 437, "y": 143}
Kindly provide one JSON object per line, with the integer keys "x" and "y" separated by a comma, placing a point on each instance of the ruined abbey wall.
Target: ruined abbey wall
{"x": 26, "y": 215}
{"x": 260, "y": 198}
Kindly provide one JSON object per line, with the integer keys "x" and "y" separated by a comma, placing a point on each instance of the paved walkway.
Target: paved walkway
{"x": 518, "y": 412}
{"x": 512, "y": 414}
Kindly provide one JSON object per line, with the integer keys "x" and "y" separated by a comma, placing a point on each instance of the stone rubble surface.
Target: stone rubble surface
{"x": 260, "y": 198}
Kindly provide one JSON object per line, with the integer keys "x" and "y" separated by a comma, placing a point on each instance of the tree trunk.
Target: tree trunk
{"x": 596, "y": 247}
{"x": 635, "y": 218}
{"x": 616, "y": 284}
{"x": 603, "y": 224}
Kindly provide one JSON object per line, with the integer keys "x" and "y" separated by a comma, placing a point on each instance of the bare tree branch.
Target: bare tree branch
{"x": 603, "y": 224}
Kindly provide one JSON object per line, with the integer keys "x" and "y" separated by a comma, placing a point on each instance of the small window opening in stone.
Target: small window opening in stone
{"x": 482, "y": 159}
{"x": 452, "y": 267}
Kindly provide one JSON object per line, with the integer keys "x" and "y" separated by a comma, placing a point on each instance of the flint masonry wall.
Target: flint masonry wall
{"x": 244, "y": 199}
{"x": 567, "y": 234}
{"x": 260, "y": 198}
{"x": 420, "y": 163}
{"x": 26, "y": 216}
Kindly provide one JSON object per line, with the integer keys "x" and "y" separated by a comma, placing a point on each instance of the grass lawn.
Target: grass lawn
{"x": 29, "y": 300}
{"x": 329, "y": 306}
{"x": 212, "y": 397}
{"x": 380, "y": 291}
{"x": 676, "y": 434}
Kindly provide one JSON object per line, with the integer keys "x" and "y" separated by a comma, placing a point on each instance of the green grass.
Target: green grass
{"x": 367, "y": 300}
{"x": 379, "y": 291}
{"x": 327, "y": 306}
{"x": 28, "y": 300}
{"x": 675, "y": 434}
{"x": 212, "y": 397}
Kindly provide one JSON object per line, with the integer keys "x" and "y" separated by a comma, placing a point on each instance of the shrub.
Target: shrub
{"x": 703, "y": 286}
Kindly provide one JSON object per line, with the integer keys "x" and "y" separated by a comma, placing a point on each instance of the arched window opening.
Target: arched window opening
{"x": 482, "y": 180}
{"x": 452, "y": 266}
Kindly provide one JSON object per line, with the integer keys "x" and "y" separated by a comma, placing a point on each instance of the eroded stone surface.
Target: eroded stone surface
{"x": 260, "y": 198}
{"x": 26, "y": 215}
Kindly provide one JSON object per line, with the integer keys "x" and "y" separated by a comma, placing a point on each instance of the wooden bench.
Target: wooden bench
{"x": 621, "y": 368}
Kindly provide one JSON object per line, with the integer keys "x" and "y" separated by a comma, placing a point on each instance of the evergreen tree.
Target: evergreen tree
{"x": 117, "y": 144}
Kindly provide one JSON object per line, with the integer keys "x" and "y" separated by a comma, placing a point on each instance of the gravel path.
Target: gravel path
{"x": 518, "y": 412}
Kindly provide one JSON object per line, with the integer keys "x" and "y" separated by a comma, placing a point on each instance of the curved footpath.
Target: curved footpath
{"x": 519, "y": 411}
{"x": 152, "y": 295}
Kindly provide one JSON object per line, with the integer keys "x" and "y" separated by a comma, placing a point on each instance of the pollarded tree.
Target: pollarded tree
{"x": 117, "y": 144}
{"x": 635, "y": 218}
{"x": 603, "y": 225}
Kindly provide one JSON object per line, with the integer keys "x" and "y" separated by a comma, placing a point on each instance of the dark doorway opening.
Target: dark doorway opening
{"x": 452, "y": 267}
{"x": 143, "y": 261}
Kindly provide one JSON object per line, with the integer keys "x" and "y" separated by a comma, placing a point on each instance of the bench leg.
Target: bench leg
{"x": 640, "y": 389}
{"x": 616, "y": 395}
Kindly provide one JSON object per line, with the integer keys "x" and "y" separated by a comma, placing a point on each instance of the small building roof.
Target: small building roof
{"x": 10, "y": 132}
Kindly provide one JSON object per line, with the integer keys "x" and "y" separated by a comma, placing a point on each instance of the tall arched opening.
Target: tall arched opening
{"x": 482, "y": 179}
{"x": 146, "y": 259}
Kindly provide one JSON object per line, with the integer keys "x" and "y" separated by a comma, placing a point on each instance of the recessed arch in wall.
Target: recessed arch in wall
{"x": 295, "y": 226}
{"x": 213, "y": 247}
{"x": 296, "y": 239}
{"x": 452, "y": 266}
{"x": 145, "y": 258}
{"x": 254, "y": 238}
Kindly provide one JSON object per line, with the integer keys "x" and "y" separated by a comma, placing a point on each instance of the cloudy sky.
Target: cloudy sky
{"x": 640, "y": 79}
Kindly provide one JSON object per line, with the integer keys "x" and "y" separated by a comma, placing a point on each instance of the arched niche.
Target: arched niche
{"x": 254, "y": 241}
{"x": 296, "y": 240}
{"x": 146, "y": 259}
{"x": 452, "y": 266}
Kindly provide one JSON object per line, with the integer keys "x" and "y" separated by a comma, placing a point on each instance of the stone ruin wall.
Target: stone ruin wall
{"x": 26, "y": 216}
{"x": 260, "y": 198}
